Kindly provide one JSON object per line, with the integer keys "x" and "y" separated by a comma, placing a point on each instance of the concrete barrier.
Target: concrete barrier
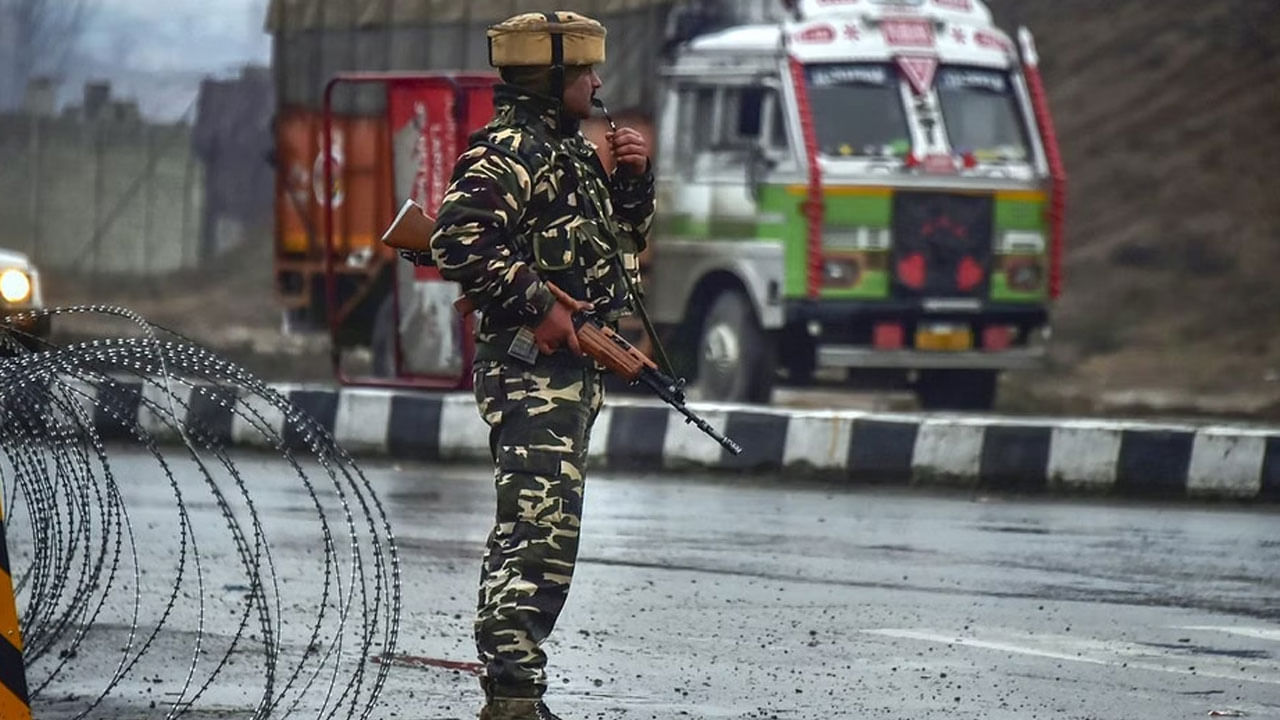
{"x": 1032, "y": 455}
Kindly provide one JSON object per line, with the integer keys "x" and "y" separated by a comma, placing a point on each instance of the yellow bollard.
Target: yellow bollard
{"x": 14, "y": 703}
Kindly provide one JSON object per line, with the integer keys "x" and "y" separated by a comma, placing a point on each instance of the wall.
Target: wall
{"x": 102, "y": 196}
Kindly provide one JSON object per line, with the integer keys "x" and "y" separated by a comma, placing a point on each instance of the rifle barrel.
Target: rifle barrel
{"x": 664, "y": 392}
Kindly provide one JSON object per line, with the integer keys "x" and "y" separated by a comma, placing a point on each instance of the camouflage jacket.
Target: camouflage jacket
{"x": 530, "y": 202}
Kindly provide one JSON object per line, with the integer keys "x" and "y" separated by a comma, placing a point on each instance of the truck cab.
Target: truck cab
{"x": 870, "y": 186}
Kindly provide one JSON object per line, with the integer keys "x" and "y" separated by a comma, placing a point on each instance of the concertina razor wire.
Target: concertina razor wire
{"x": 117, "y": 558}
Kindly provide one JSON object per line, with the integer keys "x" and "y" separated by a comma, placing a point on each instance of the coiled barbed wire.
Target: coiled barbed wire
{"x": 100, "y": 567}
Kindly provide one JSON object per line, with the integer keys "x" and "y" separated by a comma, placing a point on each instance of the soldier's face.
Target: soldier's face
{"x": 579, "y": 88}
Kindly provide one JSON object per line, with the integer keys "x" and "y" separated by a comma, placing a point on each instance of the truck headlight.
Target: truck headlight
{"x": 15, "y": 286}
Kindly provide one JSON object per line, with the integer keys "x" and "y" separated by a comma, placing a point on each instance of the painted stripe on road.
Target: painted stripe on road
{"x": 257, "y": 421}
{"x": 361, "y": 421}
{"x": 116, "y": 410}
{"x": 948, "y": 451}
{"x": 1226, "y": 463}
{"x": 321, "y": 406}
{"x": 598, "y": 446}
{"x": 1271, "y": 470}
{"x": 1083, "y": 456}
{"x": 818, "y": 441}
{"x": 72, "y": 401}
{"x": 1260, "y": 633}
{"x": 1015, "y": 458}
{"x": 1131, "y": 656}
{"x": 1154, "y": 462}
{"x": 636, "y": 437}
{"x": 763, "y": 437}
{"x": 684, "y": 444}
{"x": 881, "y": 449}
{"x": 464, "y": 435}
{"x": 163, "y": 408}
{"x": 414, "y": 430}
{"x": 209, "y": 413}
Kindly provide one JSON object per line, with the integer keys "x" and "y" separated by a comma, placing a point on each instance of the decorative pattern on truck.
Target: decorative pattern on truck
{"x": 942, "y": 245}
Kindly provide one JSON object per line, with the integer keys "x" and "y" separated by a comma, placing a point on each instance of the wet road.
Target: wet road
{"x": 715, "y": 597}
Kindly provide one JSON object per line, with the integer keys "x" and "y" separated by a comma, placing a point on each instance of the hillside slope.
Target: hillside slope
{"x": 1169, "y": 117}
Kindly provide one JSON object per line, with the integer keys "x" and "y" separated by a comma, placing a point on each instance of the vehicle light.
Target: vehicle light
{"x": 970, "y": 160}
{"x": 15, "y": 286}
{"x": 997, "y": 337}
{"x": 911, "y": 162}
{"x": 888, "y": 336}
{"x": 969, "y": 274}
{"x": 841, "y": 272}
{"x": 1024, "y": 275}
{"x": 911, "y": 271}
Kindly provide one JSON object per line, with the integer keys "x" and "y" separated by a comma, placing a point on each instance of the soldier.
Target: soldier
{"x": 530, "y": 202}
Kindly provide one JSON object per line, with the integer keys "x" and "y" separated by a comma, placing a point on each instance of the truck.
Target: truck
{"x": 868, "y": 187}
{"x": 865, "y": 188}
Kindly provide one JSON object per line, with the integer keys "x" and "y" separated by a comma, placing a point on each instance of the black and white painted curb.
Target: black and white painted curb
{"x": 965, "y": 451}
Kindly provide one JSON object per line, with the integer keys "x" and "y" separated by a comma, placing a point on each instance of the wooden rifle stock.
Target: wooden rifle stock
{"x": 411, "y": 230}
{"x": 599, "y": 341}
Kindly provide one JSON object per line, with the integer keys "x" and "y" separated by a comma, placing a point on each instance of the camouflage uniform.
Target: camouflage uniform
{"x": 530, "y": 202}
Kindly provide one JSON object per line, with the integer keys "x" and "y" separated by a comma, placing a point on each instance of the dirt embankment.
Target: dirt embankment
{"x": 1169, "y": 117}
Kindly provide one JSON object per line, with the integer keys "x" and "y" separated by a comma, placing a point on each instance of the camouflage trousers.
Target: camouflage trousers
{"x": 540, "y": 422}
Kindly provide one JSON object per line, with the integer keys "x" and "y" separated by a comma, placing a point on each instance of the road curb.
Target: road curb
{"x": 1032, "y": 455}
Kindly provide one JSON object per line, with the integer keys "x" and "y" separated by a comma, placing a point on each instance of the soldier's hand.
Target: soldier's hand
{"x": 556, "y": 329}
{"x": 630, "y": 150}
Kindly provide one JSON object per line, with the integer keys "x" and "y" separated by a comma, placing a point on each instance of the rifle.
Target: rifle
{"x": 409, "y": 234}
{"x": 602, "y": 343}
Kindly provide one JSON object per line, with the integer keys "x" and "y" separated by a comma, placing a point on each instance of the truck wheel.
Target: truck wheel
{"x": 735, "y": 362}
{"x": 383, "y": 339}
{"x": 956, "y": 389}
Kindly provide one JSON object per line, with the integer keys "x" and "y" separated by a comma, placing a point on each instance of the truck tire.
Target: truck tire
{"x": 735, "y": 360}
{"x": 383, "y": 340}
{"x": 956, "y": 389}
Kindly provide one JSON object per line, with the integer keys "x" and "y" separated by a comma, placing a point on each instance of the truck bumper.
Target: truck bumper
{"x": 853, "y": 356}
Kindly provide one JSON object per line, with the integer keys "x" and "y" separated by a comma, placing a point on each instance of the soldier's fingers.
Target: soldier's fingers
{"x": 629, "y": 143}
{"x": 626, "y": 134}
{"x": 573, "y": 343}
{"x": 630, "y": 156}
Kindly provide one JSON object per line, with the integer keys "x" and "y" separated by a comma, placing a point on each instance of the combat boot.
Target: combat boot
{"x": 516, "y": 709}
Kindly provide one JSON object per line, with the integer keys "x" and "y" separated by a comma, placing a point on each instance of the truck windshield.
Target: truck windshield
{"x": 982, "y": 116}
{"x": 857, "y": 110}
